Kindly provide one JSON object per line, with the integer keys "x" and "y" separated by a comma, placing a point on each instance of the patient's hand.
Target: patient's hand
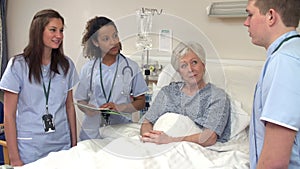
{"x": 158, "y": 137}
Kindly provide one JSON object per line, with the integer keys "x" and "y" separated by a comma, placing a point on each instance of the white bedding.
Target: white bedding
{"x": 122, "y": 148}
{"x": 88, "y": 154}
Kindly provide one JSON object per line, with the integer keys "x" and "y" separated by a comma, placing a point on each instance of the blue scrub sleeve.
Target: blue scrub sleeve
{"x": 11, "y": 80}
{"x": 73, "y": 75}
{"x": 83, "y": 87}
{"x": 282, "y": 102}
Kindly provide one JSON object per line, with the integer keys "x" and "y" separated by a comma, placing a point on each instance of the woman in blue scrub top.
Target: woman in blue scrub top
{"x": 38, "y": 103}
{"x": 109, "y": 80}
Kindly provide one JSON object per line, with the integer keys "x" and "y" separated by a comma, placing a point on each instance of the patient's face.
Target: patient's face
{"x": 191, "y": 69}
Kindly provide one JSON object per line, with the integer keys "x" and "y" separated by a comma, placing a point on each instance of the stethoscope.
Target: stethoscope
{"x": 125, "y": 69}
{"x": 254, "y": 115}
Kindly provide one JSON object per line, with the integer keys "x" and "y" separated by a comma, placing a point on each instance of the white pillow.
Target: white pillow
{"x": 240, "y": 119}
{"x": 167, "y": 75}
{"x": 176, "y": 125}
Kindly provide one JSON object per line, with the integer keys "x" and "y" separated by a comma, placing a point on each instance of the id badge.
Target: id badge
{"x": 48, "y": 123}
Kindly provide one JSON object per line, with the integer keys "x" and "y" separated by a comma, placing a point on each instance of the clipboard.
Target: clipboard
{"x": 90, "y": 107}
{"x": 104, "y": 110}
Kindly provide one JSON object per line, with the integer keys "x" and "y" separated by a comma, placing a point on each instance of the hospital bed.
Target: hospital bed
{"x": 122, "y": 148}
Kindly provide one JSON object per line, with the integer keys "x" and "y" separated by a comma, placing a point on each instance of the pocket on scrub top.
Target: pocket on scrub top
{"x": 27, "y": 146}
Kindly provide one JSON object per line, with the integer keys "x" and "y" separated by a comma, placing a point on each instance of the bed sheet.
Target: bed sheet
{"x": 123, "y": 149}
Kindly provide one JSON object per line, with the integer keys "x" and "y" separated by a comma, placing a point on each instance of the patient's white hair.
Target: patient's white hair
{"x": 182, "y": 48}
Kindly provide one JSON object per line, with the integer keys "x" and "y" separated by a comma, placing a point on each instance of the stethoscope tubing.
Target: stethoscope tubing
{"x": 123, "y": 70}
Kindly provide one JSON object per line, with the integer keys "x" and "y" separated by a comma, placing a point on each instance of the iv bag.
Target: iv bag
{"x": 144, "y": 20}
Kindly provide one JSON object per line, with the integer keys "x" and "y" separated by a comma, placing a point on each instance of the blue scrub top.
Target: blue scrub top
{"x": 277, "y": 97}
{"x": 33, "y": 142}
{"x": 129, "y": 82}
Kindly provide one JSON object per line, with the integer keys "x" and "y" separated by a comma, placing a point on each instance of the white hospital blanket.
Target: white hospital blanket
{"x": 130, "y": 153}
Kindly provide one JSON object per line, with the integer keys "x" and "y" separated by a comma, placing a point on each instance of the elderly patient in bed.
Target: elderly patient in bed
{"x": 205, "y": 104}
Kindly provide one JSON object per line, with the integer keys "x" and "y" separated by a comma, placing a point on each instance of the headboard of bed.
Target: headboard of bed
{"x": 241, "y": 78}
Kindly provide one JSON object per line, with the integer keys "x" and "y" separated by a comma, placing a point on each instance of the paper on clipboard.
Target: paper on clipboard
{"x": 90, "y": 107}
{"x": 104, "y": 110}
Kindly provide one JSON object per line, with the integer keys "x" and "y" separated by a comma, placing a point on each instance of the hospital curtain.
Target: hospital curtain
{"x": 3, "y": 37}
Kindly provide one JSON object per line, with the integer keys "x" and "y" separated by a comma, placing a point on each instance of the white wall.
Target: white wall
{"x": 228, "y": 37}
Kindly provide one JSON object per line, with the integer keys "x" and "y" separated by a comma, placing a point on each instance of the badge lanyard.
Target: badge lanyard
{"x": 286, "y": 39}
{"x": 46, "y": 93}
{"x": 112, "y": 86}
{"x": 105, "y": 115}
{"x": 47, "y": 118}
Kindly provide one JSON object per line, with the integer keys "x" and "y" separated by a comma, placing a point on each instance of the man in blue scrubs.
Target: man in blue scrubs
{"x": 274, "y": 129}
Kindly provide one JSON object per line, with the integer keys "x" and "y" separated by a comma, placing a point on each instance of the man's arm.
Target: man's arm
{"x": 276, "y": 151}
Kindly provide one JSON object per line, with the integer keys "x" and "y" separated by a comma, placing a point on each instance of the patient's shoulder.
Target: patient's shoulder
{"x": 215, "y": 89}
{"x": 173, "y": 86}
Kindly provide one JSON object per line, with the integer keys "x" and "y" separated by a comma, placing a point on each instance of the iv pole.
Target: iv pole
{"x": 144, "y": 42}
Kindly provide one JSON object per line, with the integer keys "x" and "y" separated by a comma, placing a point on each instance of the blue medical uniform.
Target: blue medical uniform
{"x": 33, "y": 141}
{"x": 129, "y": 82}
{"x": 277, "y": 97}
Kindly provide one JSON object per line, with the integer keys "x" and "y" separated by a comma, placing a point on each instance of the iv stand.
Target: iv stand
{"x": 147, "y": 70}
{"x": 144, "y": 17}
